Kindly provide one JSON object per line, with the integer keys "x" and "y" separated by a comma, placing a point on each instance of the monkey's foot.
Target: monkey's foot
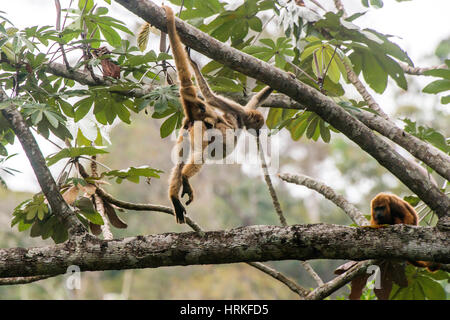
{"x": 187, "y": 189}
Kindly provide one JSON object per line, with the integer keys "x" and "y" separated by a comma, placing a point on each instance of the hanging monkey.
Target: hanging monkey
{"x": 200, "y": 115}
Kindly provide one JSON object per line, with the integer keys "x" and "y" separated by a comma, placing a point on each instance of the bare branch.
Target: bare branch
{"x": 328, "y": 193}
{"x": 302, "y": 292}
{"x": 269, "y": 184}
{"x": 335, "y": 284}
{"x": 313, "y": 273}
{"x": 21, "y": 280}
{"x": 353, "y": 78}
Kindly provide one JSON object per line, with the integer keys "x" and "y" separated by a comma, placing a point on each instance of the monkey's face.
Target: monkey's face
{"x": 381, "y": 212}
{"x": 255, "y": 120}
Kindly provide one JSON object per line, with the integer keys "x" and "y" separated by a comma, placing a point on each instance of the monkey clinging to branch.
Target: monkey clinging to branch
{"x": 202, "y": 112}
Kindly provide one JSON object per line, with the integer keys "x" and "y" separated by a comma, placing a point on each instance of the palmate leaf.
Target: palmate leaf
{"x": 132, "y": 174}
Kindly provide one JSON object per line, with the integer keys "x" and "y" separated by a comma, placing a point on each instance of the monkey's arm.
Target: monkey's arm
{"x": 222, "y": 103}
{"x": 258, "y": 98}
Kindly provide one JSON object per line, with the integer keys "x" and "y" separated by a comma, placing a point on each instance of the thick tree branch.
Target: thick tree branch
{"x": 308, "y": 96}
{"x": 245, "y": 244}
{"x": 43, "y": 175}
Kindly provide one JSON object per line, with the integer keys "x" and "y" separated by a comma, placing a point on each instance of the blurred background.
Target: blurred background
{"x": 227, "y": 195}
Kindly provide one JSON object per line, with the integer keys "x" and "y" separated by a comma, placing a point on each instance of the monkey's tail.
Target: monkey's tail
{"x": 179, "y": 53}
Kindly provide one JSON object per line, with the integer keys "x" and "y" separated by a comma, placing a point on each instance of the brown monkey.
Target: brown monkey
{"x": 202, "y": 113}
{"x": 195, "y": 109}
{"x": 390, "y": 209}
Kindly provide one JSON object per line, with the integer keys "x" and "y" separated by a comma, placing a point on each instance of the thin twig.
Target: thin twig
{"x": 277, "y": 206}
{"x": 58, "y": 28}
{"x": 106, "y": 230}
{"x": 353, "y": 78}
{"x": 417, "y": 71}
{"x": 313, "y": 273}
{"x": 268, "y": 180}
{"x": 302, "y": 292}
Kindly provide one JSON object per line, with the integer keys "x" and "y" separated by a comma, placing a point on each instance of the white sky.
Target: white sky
{"x": 419, "y": 24}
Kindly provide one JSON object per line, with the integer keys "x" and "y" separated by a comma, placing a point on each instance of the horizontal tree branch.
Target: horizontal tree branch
{"x": 304, "y": 94}
{"x": 245, "y": 244}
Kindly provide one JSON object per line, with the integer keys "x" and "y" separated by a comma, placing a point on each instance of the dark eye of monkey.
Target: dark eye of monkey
{"x": 380, "y": 208}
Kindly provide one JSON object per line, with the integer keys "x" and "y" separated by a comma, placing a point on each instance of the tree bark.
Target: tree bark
{"x": 245, "y": 244}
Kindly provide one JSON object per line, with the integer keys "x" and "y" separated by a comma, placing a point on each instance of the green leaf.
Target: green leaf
{"x": 255, "y": 24}
{"x": 73, "y": 153}
{"x": 87, "y": 209}
{"x": 298, "y": 128}
{"x": 132, "y": 174}
{"x": 122, "y": 112}
{"x": 445, "y": 100}
{"x": 431, "y": 288}
{"x": 274, "y": 117}
{"x": 437, "y": 86}
{"x": 168, "y": 126}
{"x": 82, "y": 107}
{"x": 442, "y": 73}
{"x": 111, "y": 35}
{"x": 60, "y": 234}
{"x": 35, "y": 229}
{"x": 324, "y": 132}
{"x": 373, "y": 73}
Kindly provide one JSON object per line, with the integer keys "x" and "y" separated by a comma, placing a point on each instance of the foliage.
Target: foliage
{"x": 319, "y": 49}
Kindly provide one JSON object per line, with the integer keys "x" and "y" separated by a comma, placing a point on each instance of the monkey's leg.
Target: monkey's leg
{"x": 175, "y": 180}
{"x": 195, "y": 163}
{"x": 174, "y": 188}
{"x": 189, "y": 170}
